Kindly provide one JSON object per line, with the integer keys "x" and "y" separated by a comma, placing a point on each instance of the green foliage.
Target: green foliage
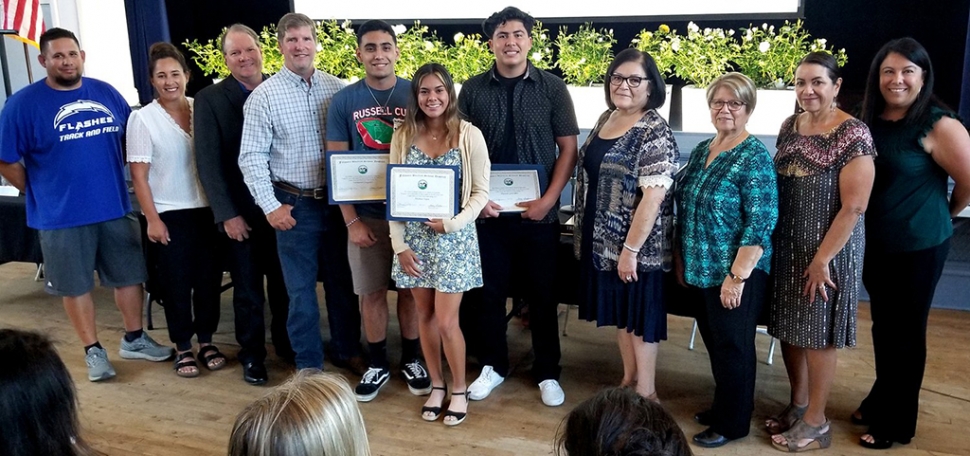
{"x": 337, "y": 50}
{"x": 703, "y": 55}
{"x": 467, "y": 57}
{"x": 659, "y": 45}
{"x": 584, "y": 56}
{"x": 418, "y": 48}
{"x": 766, "y": 55}
{"x": 769, "y": 57}
{"x": 208, "y": 56}
{"x": 541, "y": 54}
{"x": 272, "y": 57}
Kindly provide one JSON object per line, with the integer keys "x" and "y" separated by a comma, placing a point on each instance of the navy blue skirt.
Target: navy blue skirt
{"x": 636, "y": 306}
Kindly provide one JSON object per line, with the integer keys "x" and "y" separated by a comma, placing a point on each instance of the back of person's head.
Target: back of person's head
{"x": 313, "y": 413}
{"x": 510, "y": 13}
{"x": 38, "y": 405}
{"x": 618, "y": 421}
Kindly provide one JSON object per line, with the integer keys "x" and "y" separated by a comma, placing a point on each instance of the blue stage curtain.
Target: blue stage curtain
{"x": 147, "y": 24}
{"x": 965, "y": 82}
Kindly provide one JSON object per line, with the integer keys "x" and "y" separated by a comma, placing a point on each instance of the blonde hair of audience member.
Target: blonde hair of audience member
{"x": 313, "y": 413}
{"x": 619, "y": 421}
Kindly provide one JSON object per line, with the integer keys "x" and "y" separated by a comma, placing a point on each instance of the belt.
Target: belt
{"x": 315, "y": 193}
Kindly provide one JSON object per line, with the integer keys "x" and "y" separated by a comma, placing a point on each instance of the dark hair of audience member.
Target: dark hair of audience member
{"x": 38, "y": 403}
{"x": 618, "y": 421}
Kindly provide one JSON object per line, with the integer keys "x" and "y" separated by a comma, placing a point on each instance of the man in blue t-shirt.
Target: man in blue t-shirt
{"x": 361, "y": 117}
{"x": 61, "y": 144}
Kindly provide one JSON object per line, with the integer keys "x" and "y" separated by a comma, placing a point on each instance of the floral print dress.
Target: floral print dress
{"x": 450, "y": 262}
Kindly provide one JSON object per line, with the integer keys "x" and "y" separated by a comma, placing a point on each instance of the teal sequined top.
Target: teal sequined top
{"x": 731, "y": 203}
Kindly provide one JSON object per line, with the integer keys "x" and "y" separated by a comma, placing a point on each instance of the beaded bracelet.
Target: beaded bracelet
{"x": 355, "y": 220}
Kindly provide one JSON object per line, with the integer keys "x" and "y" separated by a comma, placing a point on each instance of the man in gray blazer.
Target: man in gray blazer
{"x": 252, "y": 251}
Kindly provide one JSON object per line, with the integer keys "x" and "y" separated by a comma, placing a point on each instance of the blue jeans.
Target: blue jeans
{"x": 317, "y": 244}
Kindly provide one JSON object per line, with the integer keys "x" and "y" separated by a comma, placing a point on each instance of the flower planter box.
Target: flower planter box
{"x": 773, "y": 107}
{"x": 590, "y": 102}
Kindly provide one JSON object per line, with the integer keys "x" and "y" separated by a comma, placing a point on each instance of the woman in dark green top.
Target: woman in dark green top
{"x": 908, "y": 227}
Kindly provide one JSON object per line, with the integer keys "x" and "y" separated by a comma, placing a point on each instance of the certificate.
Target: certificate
{"x": 511, "y": 184}
{"x": 356, "y": 176}
{"x": 421, "y": 192}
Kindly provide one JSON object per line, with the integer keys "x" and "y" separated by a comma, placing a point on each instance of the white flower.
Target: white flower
{"x": 536, "y": 56}
{"x": 675, "y": 44}
{"x": 771, "y": 29}
{"x": 821, "y": 42}
{"x": 345, "y": 25}
{"x": 692, "y": 27}
{"x": 731, "y": 32}
{"x": 582, "y": 60}
{"x": 544, "y": 36}
{"x": 319, "y": 47}
{"x": 764, "y": 26}
{"x": 748, "y": 35}
{"x": 720, "y": 33}
{"x": 707, "y": 31}
{"x": 428, "y": 45}
{"x": 459, "y": 36}
{"x": 399, "y": 29}
{"x": 764, "y": 46}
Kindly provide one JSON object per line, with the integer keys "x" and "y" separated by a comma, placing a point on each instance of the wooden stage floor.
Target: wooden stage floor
{"x": 148, "y": 410}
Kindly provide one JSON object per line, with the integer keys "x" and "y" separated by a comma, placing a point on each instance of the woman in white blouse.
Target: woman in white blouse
{"x": 181, "y": 233}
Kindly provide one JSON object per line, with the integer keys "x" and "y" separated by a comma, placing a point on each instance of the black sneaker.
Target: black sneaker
{"x": 417, "y": 378}
{"x": 371, "y": 383}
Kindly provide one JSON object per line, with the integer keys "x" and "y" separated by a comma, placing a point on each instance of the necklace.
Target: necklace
{"x": 384, "y": 105}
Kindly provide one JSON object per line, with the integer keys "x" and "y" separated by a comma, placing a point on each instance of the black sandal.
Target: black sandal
{"x": 209, "y": 354}
{"x": 459, "y": 417}
{"x": 436, "y": 411}
{"x": 183, "y": 360}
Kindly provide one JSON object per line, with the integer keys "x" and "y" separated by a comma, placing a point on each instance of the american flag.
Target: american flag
{"x": 23, "y": 17}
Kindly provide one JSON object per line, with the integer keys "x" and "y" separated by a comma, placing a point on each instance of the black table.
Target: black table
{"x": 18, "y": 242}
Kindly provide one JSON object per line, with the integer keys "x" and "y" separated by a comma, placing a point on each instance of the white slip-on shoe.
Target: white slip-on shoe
{"x": 552, "y": 393}
{"x": 484, "y": 384}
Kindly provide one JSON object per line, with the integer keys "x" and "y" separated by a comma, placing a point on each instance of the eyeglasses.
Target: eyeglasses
{"x": 732, "y": 105}
{"x": 632, "y": 81}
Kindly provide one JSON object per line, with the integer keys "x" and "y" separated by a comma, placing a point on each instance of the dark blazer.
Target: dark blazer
{"x": 218, "y": 131}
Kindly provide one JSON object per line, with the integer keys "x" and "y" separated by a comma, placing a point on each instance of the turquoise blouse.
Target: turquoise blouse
{"x": 731, "y": 203}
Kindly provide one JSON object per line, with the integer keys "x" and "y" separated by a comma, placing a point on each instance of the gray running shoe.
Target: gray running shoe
{"x": 145, "y": 348}
{"x": 99, "y": 368}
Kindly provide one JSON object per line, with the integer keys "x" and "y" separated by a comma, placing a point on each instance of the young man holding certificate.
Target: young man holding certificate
{"x": 361, "y": 118}
{"x": 526, "y": 115}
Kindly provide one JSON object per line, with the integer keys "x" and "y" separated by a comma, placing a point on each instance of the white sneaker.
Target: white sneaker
{"x": 484, "y": 384}
{"x": 552, "y": 393}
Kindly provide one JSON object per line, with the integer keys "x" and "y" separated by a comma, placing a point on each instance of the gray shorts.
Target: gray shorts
{"x": 113, "y": 248}
{"x": 371, "y": 267}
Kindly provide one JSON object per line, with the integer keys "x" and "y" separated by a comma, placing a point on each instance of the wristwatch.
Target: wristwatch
{"x": 736, "y": 278}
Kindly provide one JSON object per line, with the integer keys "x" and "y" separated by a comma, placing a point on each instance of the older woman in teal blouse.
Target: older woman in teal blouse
{"x": 727, "y": 203}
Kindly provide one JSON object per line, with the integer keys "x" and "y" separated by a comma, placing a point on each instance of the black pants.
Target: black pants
{"x": 901, "y": 288}
{"x": 249, "y": 262}
{"x": 729, "y": 337}
{"x": 189, "y": 275}
{"x": 527, "y": 252}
